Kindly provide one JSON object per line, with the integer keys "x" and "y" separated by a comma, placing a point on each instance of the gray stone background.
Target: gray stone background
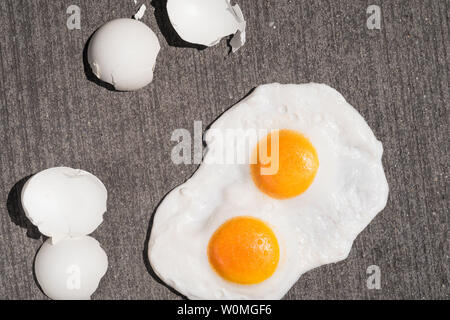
{"x": 52, "y": 113}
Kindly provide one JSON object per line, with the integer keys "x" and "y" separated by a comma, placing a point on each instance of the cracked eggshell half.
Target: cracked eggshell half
{"x": 206, "y": 22}
{"x": 64, "y": 202}
{"x": 123, "y": 53}
{"x": 71, "y": 269}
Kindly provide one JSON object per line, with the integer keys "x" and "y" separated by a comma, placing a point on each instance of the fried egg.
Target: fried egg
{"x": 311, "y": 181}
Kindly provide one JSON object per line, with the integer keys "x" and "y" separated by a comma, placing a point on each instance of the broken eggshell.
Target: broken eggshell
{"x": 70, "y": 269}
{"x": 140, "y": 13}
{"x": 123, "y": 53}
{"x": 64, "y": 202}
{"x": 206, "y": 22}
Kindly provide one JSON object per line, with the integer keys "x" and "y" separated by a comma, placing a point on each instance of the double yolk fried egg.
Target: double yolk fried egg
{"x": 312, "y": 181}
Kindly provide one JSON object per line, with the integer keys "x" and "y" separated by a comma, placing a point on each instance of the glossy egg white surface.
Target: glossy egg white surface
{"x": 315, "y": 228}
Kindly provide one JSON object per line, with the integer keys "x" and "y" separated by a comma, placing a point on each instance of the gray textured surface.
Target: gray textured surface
{"x": 398, "y": 78}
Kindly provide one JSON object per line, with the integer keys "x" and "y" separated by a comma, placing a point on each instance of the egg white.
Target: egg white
{"x": 316, "y": 228}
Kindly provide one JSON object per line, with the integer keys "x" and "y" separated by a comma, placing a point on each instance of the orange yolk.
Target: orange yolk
{"x": 244, "y": 250}
{"x": 297, "y": 165}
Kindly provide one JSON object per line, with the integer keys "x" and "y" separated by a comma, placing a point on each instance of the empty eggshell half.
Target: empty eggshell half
{"x": 70, "y": 269}
{"x": 64, "y": 202}
{"x": 123, "y": 53}
{"x": 206, "y": 22}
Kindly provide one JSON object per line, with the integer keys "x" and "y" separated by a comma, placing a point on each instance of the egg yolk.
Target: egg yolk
{"x": 244, "y": 250}
{"x": 296, "y": 160}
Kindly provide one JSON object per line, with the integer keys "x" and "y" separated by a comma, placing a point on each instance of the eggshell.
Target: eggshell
{"x": 141, "y": 12}
{"x": 64, "y": 202}
{"x": 123, "y": 53}
{"x": 70, "y": 269}
{"x": 206, "y": 22}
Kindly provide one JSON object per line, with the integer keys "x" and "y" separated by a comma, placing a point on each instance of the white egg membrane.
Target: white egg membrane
{"x": 316, "y": 228}
{"x": 206, "y": 22}
{"x": 64, "y": 202}
{"x": 123, "y": 53}
{"x": 70, "y": 269}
